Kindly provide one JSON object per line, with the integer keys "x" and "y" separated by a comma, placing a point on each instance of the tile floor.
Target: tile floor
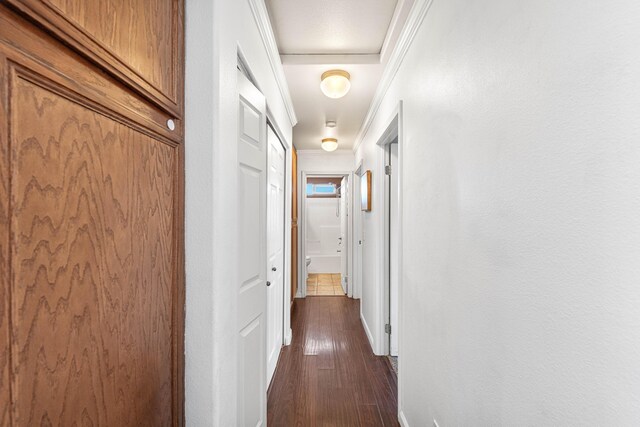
{"x": 324, "y": 284}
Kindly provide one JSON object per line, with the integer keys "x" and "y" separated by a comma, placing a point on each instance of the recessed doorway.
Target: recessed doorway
{"x": 326, "y": 226}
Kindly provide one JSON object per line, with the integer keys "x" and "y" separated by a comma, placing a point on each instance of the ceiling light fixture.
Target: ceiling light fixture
{"x": 329, "y": 144}
{"x": 335, "y": 83}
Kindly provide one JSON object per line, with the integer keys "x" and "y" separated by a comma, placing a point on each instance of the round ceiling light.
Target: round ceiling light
{"x": 329, "y": 144}
{"x": 335, "y": 83}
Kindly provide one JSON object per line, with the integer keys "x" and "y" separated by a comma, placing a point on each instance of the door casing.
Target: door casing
{"x": 393, "y": 131}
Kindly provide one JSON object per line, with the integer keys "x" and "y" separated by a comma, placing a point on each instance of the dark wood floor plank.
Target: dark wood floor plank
{"x": 329, "y": 375}
{"x": 369, "y": 415}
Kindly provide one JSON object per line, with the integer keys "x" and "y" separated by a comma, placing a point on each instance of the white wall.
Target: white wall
{"x": 521, "y": 243}
{"x": 324, "y": 162}
{"x": 323, "y": 231}
{"x": 214, "y": 31}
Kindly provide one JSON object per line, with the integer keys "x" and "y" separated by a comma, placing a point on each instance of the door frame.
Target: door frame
{"x": 393, "y": 131}
{"x": 302, "y": 243}
{"x": 357, "y": 233}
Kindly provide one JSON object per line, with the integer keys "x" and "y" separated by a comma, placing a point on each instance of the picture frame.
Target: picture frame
{"x": 365, "y": 191}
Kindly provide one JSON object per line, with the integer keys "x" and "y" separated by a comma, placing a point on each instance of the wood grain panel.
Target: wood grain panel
{"x": 34, "y": 49}
{"x": 138, "y": 41}
{"x": 93, "y": 244}
{"x": 5, "y": 251}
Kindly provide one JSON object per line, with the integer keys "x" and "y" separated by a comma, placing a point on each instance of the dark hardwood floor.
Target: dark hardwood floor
{"x": 329, "y": 375}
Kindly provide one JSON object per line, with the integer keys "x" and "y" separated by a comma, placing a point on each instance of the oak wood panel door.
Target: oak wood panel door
{"x": 91, "y": 239}
{"x": 141, "y": 42}
{"x": 294, "y": 225}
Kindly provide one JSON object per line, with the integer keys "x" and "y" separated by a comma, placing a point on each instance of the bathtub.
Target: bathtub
{"x": 321, "y": 263}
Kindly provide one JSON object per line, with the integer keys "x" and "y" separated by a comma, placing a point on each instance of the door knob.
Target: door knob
{"x": 268, "y": 283}
{"x": 273, "y": 269}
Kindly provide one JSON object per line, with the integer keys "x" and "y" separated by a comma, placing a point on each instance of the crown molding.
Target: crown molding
{"x": 416, "y": 16}
{"x": 261, "y": 16}
{"x": 391, "y": 37}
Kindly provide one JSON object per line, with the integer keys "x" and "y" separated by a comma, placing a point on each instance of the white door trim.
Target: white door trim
{"x": 303, "y": 228}
{"x": 394, "y": 128}
{"x": 358, "y": 238}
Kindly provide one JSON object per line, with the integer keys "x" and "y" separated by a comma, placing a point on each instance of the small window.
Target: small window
{"x": 321, "y": 190}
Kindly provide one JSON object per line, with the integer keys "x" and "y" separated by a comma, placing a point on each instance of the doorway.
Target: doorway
{"x": 390, "y": 144}
{"x": 392, "y": 223}
{"x": 326, "y": 229}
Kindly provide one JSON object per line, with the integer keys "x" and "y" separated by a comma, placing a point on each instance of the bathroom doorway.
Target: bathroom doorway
{"x": 326, "y": 234}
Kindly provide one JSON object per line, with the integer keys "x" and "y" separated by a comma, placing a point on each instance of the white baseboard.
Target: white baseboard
{"x": 368, "y": 332}
{"x": 288, "y": 337}
{"x": 402, "y": 419}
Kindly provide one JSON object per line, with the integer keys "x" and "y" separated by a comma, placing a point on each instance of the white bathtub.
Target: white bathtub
{"x": 324, "y": 263}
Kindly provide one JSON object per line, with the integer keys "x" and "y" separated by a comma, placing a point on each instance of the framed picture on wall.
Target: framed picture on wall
{"x": 365, "y": 191}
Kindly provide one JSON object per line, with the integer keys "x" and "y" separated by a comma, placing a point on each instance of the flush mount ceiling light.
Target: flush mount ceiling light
{"x": 335, "y": 83}
{"x": 329, "y": 144}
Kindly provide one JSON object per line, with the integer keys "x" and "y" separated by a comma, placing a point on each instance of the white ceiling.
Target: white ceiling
{"x": 314, "y": 36}
{"x": 330, "y": 26}
{"x": 313, "y": 109}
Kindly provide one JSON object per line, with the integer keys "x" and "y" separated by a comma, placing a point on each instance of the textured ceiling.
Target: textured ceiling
{"x": 314, "y": 109}
{"x": 314, "y": 36}
{"x": 330, "y": 26}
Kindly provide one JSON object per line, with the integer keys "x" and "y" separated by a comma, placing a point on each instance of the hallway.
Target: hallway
{"x": 329, "y": 375}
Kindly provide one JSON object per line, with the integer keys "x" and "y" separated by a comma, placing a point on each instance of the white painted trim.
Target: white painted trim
{"x": 409, "y": 31}
{"x": 261, "y": 16}
{"x": 357, "y": 231}
{"x": 289, "y": 336}
{"x": 381, "y": 256}
{"x": 401, "y": 326}
{"x": 345, "y": 59}
{"x": 366, "y": 329}
{"x": 402, "y": 419}
{"x": 389, "y": 39}
{"x": 391, "y": 132}
{"x": 274, "y": 124}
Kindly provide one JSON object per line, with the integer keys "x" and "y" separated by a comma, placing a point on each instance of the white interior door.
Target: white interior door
{"x": 252, "y": 268}
{"x": 275, "y": 250}
{"x": 394, "y": 230}
{"x": 344, "y": 234}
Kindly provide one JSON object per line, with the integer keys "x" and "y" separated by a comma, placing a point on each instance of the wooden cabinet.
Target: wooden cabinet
{"x": 140, "y": 42}
{"x": 91, "y": 213}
